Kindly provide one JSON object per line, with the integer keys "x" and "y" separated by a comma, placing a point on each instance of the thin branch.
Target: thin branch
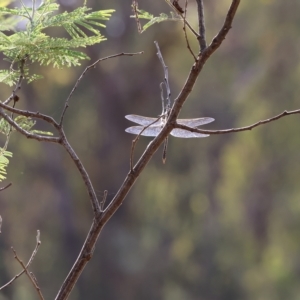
{"x": 5, "y": 187}
{"x": 84, "y": 72}
{"x": 38, "y": 243}
{"x": 30, "y": 114}
{"x": 84, "y": 174}
{"x": 185, "y": 34}
{"x": 0, "y": 223}
{"x": 40, "y": 138}
{"x": 250, "y": 127}
{"x": 201, "y": 37}
{"x": 28, "y": 274}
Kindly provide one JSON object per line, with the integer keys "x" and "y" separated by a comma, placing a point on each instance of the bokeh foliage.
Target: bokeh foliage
{"x": 221, "y": 219}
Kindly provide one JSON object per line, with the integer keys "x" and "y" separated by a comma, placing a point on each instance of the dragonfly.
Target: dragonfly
{"x": 153, "y": 126}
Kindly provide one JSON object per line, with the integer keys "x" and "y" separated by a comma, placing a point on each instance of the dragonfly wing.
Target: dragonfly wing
{"x": 195, "y": 122}
{"x": 149, "y": 131}
{"x": 182, "y": 133}
{"x": 141, "y": 120}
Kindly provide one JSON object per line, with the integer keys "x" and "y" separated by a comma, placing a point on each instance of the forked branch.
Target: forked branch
{"x": 38, "y": 243}
{"x": 31, "y": 278}
{"x": 102, "y": 218}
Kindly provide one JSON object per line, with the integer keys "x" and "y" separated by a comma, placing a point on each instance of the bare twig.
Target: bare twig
{"x": 30, "y": 114}
{"x": 29, "y": 135}
{"x": 84, "y": 72}
{"x": 84, "y": 174}
{"x": 28, "y": 274}
{"x": 185, "y": 34}
{"x": 250, "y": 127}
{"x": 5, "y": 187}
{"x": 135, "y": 8}
{"x": 201, "y": 37}
{"x": 103, "y": 217}
{"x": 38, "y": 243}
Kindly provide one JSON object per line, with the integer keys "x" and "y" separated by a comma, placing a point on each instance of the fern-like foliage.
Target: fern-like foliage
{"x": 142, "y": 14}
{"x": 33, "y": 44}
{"x": 6, "y": 129}
{"x": 4, "y": 162}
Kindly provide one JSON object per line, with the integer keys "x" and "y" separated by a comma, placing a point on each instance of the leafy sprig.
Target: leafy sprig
{"x": 142, "y": 14}
{"x": 34, "y": 45}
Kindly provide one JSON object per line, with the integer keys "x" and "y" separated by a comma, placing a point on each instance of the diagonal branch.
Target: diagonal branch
{"x": 4, "y": 188}
{"x": 84, "y": 174}
{"x": 84, "y": 72}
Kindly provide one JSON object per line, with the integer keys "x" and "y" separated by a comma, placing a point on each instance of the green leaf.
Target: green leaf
{"x": 8, "y": 77}
{"x": 4, "y": 162}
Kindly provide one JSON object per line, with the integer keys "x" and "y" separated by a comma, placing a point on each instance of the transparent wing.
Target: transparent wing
{"x": 141, "y": 120}
{"x": 150, "y": 131}
{"x": 182, "y": 133}
{"x": 195, "y": 122}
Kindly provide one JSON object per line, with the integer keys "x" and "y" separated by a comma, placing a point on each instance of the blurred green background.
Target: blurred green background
{"x": 220, "y": 220}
